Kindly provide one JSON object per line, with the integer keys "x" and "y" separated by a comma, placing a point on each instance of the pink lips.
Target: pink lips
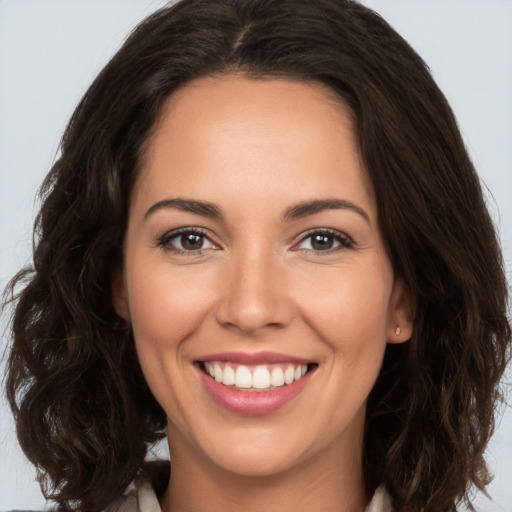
{"x": 253, "y": 359}
{"x": 253, "y": 403}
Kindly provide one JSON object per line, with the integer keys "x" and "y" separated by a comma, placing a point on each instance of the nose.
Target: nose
{"x": 254, "y": 298}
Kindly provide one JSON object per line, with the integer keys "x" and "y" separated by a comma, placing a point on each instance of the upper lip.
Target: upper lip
{"x": 254, "y": 358}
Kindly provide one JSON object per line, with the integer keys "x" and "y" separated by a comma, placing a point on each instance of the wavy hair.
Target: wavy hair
{"x": 84, "y": 414}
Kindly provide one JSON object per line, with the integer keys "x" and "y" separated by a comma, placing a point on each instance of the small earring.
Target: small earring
{"x": 398, "y": 330}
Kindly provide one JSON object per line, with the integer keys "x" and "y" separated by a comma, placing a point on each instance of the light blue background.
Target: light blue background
{"x": 51, "y": 50}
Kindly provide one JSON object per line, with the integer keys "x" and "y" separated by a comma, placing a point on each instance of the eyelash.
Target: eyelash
{"x": 165, "y": 241}
{"x": 345, "y": 242}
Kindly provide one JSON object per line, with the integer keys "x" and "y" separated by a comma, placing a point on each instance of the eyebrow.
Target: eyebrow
{"x": 297, "y": 211}
{"x": 311, "y": 207}
{"x": 188, "y": 205}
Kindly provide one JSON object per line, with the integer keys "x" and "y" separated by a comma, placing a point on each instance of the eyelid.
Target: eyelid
{"x": 344, "y": 241}
{"x": 164, "y": 240}
{"x": 342, "y": 238}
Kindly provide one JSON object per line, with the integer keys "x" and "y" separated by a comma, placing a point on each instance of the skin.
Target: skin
{"x": 255, "y": 149}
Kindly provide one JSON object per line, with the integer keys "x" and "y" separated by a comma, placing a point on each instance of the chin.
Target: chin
{"x": 255, "y": 462}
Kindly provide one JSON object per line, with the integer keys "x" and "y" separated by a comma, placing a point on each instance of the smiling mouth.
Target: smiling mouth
{"x": 262, "y": 377}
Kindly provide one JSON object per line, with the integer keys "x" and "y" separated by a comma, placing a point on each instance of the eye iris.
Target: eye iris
{"x": 322, "y": 242}
{"x": 192, "y": 241}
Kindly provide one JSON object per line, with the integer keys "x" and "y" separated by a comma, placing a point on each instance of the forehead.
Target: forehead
{"x": 236, "y": 130}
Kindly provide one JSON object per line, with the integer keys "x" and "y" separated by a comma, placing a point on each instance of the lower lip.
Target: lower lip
{"x": 253, "y": 403}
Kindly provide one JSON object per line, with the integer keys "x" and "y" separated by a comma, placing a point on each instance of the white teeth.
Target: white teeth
{"x": 229, "y": 376}
{"x": 257, "y": 378}
{"x": 289, "y": 374}
{"x": 217, "y": 372}
{"x": 261, "y": 378}
{"x": 277, "y": 377}
{"x": 243, "y": 377}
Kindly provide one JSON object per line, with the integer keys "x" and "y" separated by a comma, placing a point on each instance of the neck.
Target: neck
{"x": 332, "y": 481}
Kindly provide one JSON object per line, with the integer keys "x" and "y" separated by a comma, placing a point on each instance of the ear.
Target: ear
{"x": 401, "y": 313}
{"x": 119, "y": 296}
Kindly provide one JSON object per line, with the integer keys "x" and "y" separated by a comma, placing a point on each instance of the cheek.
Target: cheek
{"x": 166, "y": 305}
{"x": 350, "y": 314}
{"x": 350, "y": 309}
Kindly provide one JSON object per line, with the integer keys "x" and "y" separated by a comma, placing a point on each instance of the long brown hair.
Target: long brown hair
{"x": 85, "y": 416}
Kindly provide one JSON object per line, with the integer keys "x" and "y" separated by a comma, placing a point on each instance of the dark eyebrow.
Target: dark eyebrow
{"x": 317, "y": 205}
{"x": 188, "y": 205}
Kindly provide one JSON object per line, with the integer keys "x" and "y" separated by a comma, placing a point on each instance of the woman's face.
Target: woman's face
{"x": 252, "y": 255}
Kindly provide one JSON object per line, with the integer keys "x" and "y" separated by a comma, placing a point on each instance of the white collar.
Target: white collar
{"x": 140, "y": 497}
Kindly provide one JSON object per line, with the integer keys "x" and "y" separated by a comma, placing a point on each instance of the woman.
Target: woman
{"x": 265, "y": 235}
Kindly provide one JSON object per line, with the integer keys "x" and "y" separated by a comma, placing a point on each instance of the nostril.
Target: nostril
{"x": 252, "y": 301}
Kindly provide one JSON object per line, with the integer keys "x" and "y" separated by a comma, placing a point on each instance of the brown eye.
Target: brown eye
{"x": 324, "y": 241}
{"x": 192, "y": 241}
{"x": 185, "y": 241}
